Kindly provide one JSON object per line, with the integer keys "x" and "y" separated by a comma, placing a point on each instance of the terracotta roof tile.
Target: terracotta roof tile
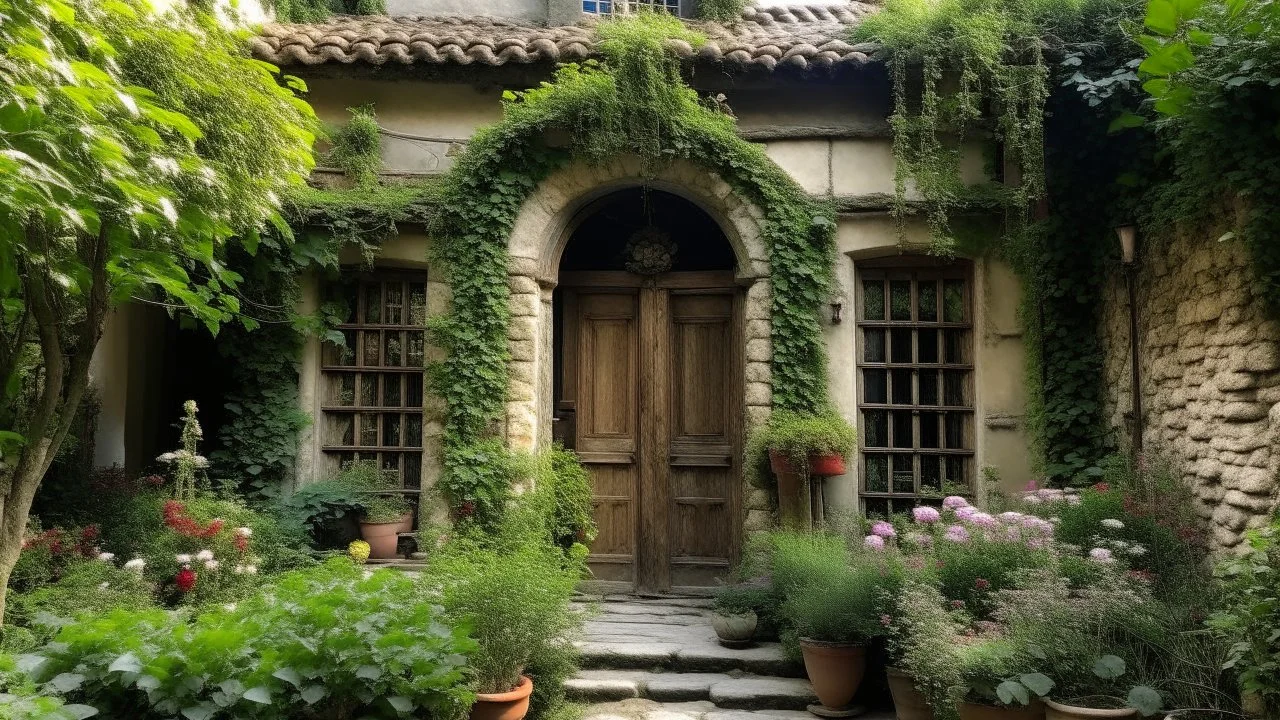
{"x": 801, "y": 37}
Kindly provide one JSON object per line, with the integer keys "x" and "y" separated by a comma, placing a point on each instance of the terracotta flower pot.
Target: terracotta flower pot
{"x": 835, "y": 670}
{"x": 737, "y": 630}
{"x": 382, "y": 538}
{"x": 974, "y": 711}
{"x": 828, "y": 465}
{"x": 405, "y": 523}
{"x": 510, "y": 705}
{"x": 908, "y": 702}
{"x": 1060, "y": 711}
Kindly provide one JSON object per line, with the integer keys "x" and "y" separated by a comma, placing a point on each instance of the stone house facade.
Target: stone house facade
{"x": 925, "y": 356}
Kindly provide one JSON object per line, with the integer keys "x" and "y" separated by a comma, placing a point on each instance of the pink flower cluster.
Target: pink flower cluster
{"x": 1010, "y": 526}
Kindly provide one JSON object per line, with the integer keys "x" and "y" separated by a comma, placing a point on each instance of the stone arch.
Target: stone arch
{"x": 542, "y": 231}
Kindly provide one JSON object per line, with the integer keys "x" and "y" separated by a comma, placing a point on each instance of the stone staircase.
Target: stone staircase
{"x": 658, "y": 659}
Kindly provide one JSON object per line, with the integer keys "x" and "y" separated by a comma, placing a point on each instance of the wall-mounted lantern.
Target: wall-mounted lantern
{"x": 1128, "y": 236}
{"x": 837, "y": 311}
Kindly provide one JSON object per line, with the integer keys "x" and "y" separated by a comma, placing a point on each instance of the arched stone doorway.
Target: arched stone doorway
{"x": 648, "y": 386}
{"x": 572, "y": 198}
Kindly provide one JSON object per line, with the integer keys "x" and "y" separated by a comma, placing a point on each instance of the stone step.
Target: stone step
{"x": 724, "y": 690}
{"x": 642, "y": 709}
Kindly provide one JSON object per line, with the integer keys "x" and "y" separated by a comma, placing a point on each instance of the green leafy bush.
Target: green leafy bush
{"x": 516, "y": 602}
{"x": 970, "y": 573}
{"x": 797, "y": 436}
{"x": 846, "y": 603}
{"x": 360, "y": 489}
{"x": 997, "y": 671}
{"x": 327, "y": 643}
{"x": 19, "y": 699}
{"x": 357, "y": 146}
{"x": 89, "y": 588}
{"x": 1248, "y": 617}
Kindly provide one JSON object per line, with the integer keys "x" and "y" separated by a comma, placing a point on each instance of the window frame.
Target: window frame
{"x": 356, "y": 324}
{"x": 917, "y": 269}
{"x": 683, "y": 8}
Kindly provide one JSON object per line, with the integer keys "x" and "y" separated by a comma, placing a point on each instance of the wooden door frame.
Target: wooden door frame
{"x": 652, "y": 556}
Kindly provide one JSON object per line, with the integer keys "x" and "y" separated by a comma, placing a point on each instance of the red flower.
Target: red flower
{"x": 242, "y": 543}
{"x": 1102, "y": 487}
{"x": 982, "y": 584}
{"x": 185, "y": 579}
{"x": 154, "y": 480}
{"x": 467, "y": 509}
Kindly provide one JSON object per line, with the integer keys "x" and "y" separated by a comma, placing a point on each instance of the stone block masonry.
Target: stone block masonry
{"x": 1210, "y": 362}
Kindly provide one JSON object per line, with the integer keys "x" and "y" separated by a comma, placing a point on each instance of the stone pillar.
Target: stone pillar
{"x": 523, "y": 339}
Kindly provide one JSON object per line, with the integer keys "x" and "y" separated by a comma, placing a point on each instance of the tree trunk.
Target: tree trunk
{"x": 16, "y": 506}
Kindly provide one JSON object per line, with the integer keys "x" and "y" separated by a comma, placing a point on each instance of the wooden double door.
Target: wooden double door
{"x": 650, "y": 397}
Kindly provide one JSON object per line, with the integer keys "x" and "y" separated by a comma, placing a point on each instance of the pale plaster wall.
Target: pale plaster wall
{"x": 127, "y": 375}
{"x": 1000, "y": 438}
{"x": 1209, "y": 358}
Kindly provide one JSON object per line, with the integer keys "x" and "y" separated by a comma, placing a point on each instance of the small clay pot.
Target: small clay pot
{"x": 908, "y": 702}
{"x": 828, "y": 465}
{"x": 1062, "y": 711}
{"x": 382, "y": 538}
{"x": 974, "y": 711}
{"x": 835, "y": 670}
{"x": 736, "y": 630}
{"x": 510, "y": 705}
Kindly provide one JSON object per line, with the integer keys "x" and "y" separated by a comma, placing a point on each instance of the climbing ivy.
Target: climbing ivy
{"x": 634, "y": 102}
{"x": 721, "y": 10}
{"x": 309, "y": 11}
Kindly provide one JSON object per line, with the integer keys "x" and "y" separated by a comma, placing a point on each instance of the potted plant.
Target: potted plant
{"x": 735, "y": 619}
{"x": 516, "y": 600}
{"x": 920, "y": 633}
{"x": 382, "y": 522}
{"x": 832, "y": 615}
{"x": 998, "y": 682}
{"x": 800, "y": 446}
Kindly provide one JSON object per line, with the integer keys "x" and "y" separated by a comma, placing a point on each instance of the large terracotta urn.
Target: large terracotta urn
{"x": 835, "y": 670}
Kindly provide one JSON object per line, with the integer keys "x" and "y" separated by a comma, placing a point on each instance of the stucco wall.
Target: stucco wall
{"x": 1210, "y": 364}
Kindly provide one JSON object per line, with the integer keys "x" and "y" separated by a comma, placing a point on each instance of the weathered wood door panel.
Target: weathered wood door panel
{"x": 652, "y": 373}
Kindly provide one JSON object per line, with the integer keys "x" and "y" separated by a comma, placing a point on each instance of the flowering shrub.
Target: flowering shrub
{"x": 48, "y": 554}
{"x": 198, "y": 560}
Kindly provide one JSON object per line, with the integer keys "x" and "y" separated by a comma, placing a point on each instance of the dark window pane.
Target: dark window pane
{"x": 928, "y": 387}
{"x": 413, "y": 431}
{"x": 417, "y": 303}
{"x": 953, "y": 388}
{"x": 930, "y": 473}
{"x": 900, "y": 345}
{"x": 416, "y": 355}
{"x": 901, "y": 387}
{"x": 346, "y": 430}
{"x": 412, "y": 470}
{"x": 954, "y": 350}
{"x": 873, "y": 345}
{"x": 368, "y": 430}
{"x": 956, "y": 471}
{"x": 413, "y": 391}
{"x": 373, "y": 303}
{"x": 953, "y": 301}
{"x": 900, "y": 300}
{"x": 875, "y": 428}
{"x": 928, "y": 302}
{"x": 875, "y": 386}
{"x": 368, "y": 390}
{"x": 391, "y": 390}
{"x": 929, "y": 422}
{"x": 371, "y": 341}
{"x": 902, "y": 428}
{"x": 393, "y": 357}
{"x": 346, "y": 388}
{"x": 954, "y": 423}
{"x": 876, "y": 507}
{"x": 876, "y": 475}
{"x": 391, "y": 429}
{"x": 395, "y": 303}
{"x": 873, "y": 300}
{"x": 927, "y": 346}
{"x": 390, "y": 464}
{"x": 904, "y": 475}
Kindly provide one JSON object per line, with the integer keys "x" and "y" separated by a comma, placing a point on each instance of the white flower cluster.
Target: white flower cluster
{"x": 170, "y": 458}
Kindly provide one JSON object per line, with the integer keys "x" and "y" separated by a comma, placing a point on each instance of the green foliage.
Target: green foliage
{"x": 923, "y": 643}
{"x": 24, "y": 702}
{"x": 1249, "y": 616}
{"x": 797, "y": 436}
{"x": 328, "y": 643}
{"x": 721, "y": 10}
{"x": 359, "y": 490}
{"x": 635, "y": 102}
{"x": 357, "y": 146}
{"x": 88, "y": 588}
{"x": 477, "y": 484}
{"x": 360, "y": 217}
{"x": 845, "y": 602}
{"x": 516, "y": 601}
{"x": 998, "y": 671}
{"x": 312, "y": 11}
{"x": 561, "y": 496}
{"x": 969, "y": 573}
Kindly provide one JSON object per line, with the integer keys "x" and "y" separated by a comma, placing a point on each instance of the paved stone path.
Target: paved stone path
{"x": 658, "y": 659}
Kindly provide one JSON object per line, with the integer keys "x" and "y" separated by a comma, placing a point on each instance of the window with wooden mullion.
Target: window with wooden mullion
{"x": 915, "y": 383}
{"x": 374, "y": 381}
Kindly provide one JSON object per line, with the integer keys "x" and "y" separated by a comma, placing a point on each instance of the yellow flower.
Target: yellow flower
{"x": 358, "y": 550}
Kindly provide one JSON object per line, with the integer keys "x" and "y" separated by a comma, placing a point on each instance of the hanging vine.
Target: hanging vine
{"x": 634, "y": 102}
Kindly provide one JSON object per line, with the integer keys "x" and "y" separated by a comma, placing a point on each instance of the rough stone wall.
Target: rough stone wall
{"x": 1210, "y": 364}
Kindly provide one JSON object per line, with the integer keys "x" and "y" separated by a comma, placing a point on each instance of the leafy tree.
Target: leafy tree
{"x": 136, "y": 148}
